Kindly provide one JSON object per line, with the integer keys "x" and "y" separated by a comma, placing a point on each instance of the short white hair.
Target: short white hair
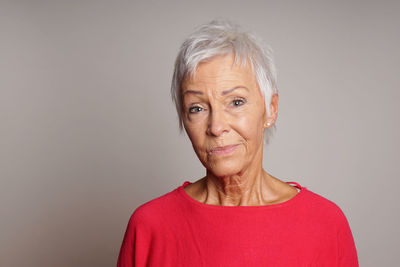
{"x": 220, "y": 38}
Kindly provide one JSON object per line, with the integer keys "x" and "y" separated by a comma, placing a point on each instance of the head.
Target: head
{"x": 225, "y": 94}
{"x": 219, "y": 38}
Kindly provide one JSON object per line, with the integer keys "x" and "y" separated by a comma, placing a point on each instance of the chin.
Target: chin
{"x": 226, "y": 168}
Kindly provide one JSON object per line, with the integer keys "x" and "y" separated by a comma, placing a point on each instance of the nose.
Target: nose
{"x": 217, "y": 124}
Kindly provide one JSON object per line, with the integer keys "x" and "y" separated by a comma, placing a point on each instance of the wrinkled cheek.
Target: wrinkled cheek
{"x": 259, "y": 126}
{"x": 200, "y": 154}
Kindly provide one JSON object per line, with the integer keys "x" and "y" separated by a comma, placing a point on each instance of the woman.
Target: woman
{"x": 224, "y": 88}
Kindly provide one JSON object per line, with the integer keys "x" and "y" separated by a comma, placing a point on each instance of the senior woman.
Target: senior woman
{"x": 224, "y": 88}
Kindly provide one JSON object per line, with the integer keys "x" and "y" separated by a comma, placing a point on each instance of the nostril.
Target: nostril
{"x": 218, "y": 127}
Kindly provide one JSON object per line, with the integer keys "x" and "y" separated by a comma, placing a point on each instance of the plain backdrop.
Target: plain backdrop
{"x": 88, "y": 131}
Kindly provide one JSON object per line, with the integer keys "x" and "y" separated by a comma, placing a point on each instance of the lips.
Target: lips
{"x": 223, "y": 150}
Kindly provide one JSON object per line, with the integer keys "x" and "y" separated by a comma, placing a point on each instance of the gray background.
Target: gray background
{"x": 88, "y": 131}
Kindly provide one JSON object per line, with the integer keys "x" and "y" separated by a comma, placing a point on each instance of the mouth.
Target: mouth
{"x": 223, "y": 150}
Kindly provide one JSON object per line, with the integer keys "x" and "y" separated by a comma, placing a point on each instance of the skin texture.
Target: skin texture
{"x": 224, "y": 116}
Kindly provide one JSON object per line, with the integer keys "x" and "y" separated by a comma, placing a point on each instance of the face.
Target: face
{"x": 224, "y": 116}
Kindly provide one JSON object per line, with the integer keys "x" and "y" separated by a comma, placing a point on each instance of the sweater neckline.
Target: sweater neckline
{"x": 301, "y": 191}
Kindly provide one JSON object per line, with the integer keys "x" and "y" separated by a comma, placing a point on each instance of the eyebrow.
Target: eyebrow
{"x": 225, "y": 92}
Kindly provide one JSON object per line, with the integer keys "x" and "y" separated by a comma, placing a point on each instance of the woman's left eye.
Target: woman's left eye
{"x": 238, "y": 102}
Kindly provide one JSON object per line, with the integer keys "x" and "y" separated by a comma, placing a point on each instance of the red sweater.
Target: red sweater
{"x": 175, "y": 230}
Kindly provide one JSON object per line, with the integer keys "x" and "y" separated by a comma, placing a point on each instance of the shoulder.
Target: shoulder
{"x": 152, "y": 211}
{"x": 323, "y": 207}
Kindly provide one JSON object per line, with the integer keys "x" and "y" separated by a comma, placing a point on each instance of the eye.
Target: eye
{"x": 238, "y": 102}
{"x": 195, "y": 109}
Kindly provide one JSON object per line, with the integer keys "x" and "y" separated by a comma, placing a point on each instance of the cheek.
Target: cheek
{"x": 199, "y": 145}
{"x": 196, "y": 136}
{"x": 250, "y": 126}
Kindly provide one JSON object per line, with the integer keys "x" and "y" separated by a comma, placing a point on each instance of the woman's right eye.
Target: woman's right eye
{"x": 195, "y": 109}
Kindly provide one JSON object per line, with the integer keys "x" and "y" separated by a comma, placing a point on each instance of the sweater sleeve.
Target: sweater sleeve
{"x": 347, "y": 253}
{"x": 136, "y": 243}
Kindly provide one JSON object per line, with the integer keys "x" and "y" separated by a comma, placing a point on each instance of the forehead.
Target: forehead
{"x": 220, "y": 72}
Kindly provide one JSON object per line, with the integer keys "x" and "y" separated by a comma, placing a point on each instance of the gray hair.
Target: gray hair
{"x": 219, "y": 38}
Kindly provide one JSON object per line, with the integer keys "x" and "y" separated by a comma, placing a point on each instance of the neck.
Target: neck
{"x": 249, "y": 188}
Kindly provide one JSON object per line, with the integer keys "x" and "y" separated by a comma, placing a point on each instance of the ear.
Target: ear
{"x": 273, "y": 109}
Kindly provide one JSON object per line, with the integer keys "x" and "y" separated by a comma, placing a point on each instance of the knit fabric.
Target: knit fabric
{"x": 176, "y": 230}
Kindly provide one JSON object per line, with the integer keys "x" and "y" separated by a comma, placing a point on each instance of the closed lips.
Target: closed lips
{"x": 223, "y": 148}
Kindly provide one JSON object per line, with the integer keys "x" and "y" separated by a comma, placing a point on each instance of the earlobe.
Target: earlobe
{"x": 267, "y": 125}
{"x": 273, "y": 110}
